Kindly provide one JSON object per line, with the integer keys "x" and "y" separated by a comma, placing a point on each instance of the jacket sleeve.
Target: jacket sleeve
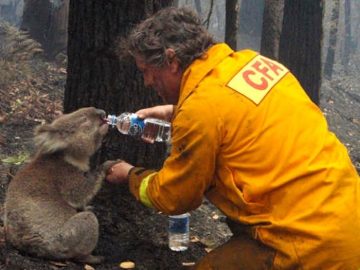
{"x": 138, "y": 182}
{"x": 189, "y": 170}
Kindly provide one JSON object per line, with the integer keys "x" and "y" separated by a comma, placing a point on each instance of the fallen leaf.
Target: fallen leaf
{"x": 62, "y": 70}
{"x": 60, "y": 264}
{"x": 88, "y": 267}
{"x": 16, "y": 160}
{"x": 355, "y": 121}
{"x": 127, "y": 265}
{"x": 208, "y": 242}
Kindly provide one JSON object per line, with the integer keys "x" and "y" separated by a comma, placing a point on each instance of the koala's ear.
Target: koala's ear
{"x": 47, "y": 139}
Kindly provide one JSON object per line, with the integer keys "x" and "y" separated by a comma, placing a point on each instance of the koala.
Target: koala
{"x": 45, "y": 204}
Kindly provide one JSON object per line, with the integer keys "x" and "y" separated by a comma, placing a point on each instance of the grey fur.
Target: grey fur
{"x": 45, "y": 205}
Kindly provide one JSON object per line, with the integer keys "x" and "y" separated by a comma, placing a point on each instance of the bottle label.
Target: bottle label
{"x": 179, "y": 225}
{"x": 136, "y": 125}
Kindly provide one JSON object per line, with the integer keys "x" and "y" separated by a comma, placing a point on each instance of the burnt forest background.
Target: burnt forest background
{"x": 57, "y": 55}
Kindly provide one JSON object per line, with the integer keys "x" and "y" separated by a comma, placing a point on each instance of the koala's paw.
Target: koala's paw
{"x": 108, "y": 164}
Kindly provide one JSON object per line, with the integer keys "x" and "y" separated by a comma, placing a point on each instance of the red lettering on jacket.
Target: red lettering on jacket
{"x": 250, "y": 81}
{"x": 259, "y": 73}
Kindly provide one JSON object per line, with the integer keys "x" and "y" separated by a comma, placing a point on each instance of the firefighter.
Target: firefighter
{"x": 247, "y": 137}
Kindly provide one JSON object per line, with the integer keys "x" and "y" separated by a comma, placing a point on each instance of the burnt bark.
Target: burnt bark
{"x": 356, "y": 21}
{"x": 250, "y": 18}
{"x": 271, "y": 28}
{"x": 231, "y": 23}
{"x": 348, "y": 37}
{"x": 46, "y": 21}
{"x": 334, "y": 25}
{"x": 300, "y": 43}
{"x": 36, "y": 19}
{"x": 57, "y": 30}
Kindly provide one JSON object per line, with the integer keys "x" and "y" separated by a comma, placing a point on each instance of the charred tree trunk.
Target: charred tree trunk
{"x": 300, "y": 43}
{"x": 334, "y": 25}
{"x": 356, "y": 36}
{"x": 36, "y": 19}
{"x": 231, "y": 23}
{"x": 57, "y": 30}
{"x": 348, "y": 36}
{"x": 271, "y": 28}
{"x": 46, "y": 21}
{"x": 251, "y": 14}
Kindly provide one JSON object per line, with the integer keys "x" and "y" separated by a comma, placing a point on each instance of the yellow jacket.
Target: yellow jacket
{"x": 246, "y": 135}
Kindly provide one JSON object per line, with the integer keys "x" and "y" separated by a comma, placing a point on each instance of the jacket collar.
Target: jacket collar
{"x": 200, "y": 68}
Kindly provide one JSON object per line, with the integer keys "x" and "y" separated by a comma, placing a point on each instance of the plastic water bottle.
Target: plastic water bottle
{"x": 178, "y": 230}
{"x": 149, "y": 129}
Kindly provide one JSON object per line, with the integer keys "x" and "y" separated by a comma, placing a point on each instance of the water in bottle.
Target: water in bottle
{"x": 156, "y": 130}
{"x": 179, "y": 232}
{"x": 149, "y": 129}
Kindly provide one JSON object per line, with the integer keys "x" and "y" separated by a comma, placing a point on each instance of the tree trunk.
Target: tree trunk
{"x": 356, "y": 22}
{"x": 300, "y": 43}
{"x": 251, "y": 14}
{"x": 334, "y": 25}
{"x": 348, "y": 36}
{"x": 57, "y": 34}
{"x": 271, "y": 28}
{"x": 97, "y": 78}
{"x": 36, "y": 20}
{"x": 231, "y": 23}
{"x": 46, "y": 21}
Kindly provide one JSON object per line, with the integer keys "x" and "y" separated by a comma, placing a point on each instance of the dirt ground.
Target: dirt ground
{"x": 141, "y": 237}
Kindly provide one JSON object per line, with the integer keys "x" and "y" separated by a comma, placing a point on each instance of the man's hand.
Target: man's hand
{"x": 164, "y": 112}
{"x": 118, "y": 173}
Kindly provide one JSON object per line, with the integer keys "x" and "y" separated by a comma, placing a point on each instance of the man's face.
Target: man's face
{"x": 164, "y": 80}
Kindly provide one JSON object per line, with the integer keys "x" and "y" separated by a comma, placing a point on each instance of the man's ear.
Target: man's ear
{"x": 172, "y": 60}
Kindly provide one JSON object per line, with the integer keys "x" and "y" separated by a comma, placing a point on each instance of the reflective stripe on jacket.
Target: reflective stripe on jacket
{"x": 246, "y": 135}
